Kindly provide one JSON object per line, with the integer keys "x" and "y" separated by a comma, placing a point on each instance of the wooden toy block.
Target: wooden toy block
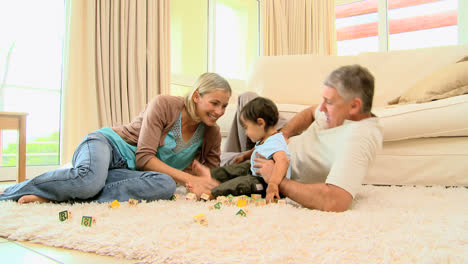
{"x": 241, "y": 203}
{"x": 256, "y": 196}
{"x": 114, "y": 204}
{"x": 216, "y": 206}
{"x": 175, "y": 197}
{"x": 230, "y": 197}
{"x": 205, "y": 197}
{"x": 242, "y": 212}
{"x": 132, "y": 202}
{"x": 281, "y": 201}
{"x": 221, "y": 198}
{"x": 65, "y": 215}
{"x": 201, "y": 219}
{"x": 260, "y": 202}
{"x": 191, "y": 197}
{"x": 88, "y": 221}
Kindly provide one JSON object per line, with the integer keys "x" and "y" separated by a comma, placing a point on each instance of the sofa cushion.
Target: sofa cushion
{"x": 451, "y": 80}
{"x": 442, "y": 118}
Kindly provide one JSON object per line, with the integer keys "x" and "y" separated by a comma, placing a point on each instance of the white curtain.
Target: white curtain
{"x": 298, "y": 27}
{"x": 116, "y": 59}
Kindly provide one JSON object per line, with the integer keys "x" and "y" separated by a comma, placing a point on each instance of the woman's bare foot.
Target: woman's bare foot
{"x": 199, "y": 169}
{"x": 32, "y": 198}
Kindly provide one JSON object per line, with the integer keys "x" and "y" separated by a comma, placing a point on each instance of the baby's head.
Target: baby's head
{"x": 258, "y": 116}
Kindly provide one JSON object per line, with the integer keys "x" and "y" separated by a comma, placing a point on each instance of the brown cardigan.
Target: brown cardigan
{"x": 149, "y": 129}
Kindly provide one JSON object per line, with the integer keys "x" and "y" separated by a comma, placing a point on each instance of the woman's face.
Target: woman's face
{"x": 211, "y": 106}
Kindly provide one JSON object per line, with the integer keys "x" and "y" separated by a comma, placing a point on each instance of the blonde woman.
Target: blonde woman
{"x": 144, "y": 159}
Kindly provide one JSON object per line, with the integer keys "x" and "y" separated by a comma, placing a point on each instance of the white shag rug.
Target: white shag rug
{"x": 385, "y": 225}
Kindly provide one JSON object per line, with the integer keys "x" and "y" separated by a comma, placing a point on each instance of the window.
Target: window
{"x": 212, "y": 35}
{"x": 31, "y": 68}
{"x": 379, "y": 25}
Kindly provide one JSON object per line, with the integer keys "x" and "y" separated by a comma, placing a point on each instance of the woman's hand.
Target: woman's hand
{"x": 201, "y": 184}
{"x": 239, "y": 159}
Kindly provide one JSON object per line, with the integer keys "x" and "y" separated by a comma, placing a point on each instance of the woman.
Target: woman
{"x": 142, "y": 160}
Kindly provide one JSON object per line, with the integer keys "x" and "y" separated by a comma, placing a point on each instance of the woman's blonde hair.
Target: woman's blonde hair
{"x": 207, "y": 82}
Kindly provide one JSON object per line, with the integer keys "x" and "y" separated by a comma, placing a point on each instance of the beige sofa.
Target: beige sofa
{"x": 424, "y": 143}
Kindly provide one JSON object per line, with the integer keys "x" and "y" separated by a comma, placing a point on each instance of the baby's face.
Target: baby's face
{"x": 254, "y": 130}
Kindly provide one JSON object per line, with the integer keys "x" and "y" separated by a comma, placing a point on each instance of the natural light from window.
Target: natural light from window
{"x": 411, "y": 24}
{"x": 30, "y": 76}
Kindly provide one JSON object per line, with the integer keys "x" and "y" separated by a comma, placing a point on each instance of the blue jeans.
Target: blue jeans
{"x": 99, "y": 174}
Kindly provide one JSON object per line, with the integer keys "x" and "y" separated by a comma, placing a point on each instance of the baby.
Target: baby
{"x": 259, "y": 118}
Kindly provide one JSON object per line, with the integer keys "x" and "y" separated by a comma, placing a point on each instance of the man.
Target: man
{"x": 332, "y": 144}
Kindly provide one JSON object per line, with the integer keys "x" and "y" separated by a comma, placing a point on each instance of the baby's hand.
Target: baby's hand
{"x": 272, "y": 192}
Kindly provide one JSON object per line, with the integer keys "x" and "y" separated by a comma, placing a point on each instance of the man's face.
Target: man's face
{"x": 334, "y": 107}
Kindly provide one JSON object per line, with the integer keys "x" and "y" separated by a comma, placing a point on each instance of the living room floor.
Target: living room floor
{"x": 32, "y": 253}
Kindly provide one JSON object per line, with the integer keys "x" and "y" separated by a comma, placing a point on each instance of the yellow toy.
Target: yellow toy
{"x": 114, "y": 204}
{"x": 201, "y": 219}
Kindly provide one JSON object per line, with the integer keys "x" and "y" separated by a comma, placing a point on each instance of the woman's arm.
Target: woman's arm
{"x": 201, "y": 184}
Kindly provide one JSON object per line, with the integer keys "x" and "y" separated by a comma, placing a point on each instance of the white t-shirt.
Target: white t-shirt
{"x": 272, "y": 144}
{"x": 340, "y": 156}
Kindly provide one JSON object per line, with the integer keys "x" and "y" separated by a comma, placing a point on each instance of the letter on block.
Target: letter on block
{"x": 65, "y": 215}
{"x": 242, "y": 212}
{"x": 88, "y": 221}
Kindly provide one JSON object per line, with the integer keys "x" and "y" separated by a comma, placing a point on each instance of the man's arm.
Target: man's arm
{"x": 321, "y": 196}
{"x": 300, "y": 122}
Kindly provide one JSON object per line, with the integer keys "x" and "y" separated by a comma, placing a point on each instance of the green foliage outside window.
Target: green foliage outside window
{"x": 41, "y": 151}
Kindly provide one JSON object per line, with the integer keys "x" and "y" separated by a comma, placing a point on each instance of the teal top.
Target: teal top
{"x": 176, "y": 152}
{"x": 127, "y": 151}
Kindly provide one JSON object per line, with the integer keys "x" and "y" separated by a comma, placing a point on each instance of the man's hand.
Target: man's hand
{"x": 265, "y": 167}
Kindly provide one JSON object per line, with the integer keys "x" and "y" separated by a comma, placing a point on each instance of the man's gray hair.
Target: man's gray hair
{"x": 353, "y": 81}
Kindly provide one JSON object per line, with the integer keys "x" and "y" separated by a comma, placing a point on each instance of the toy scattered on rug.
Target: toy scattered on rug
{"x": 242, "y": 202}
{"x": 115, "y": 204}
{"x": 175, "y": 197}
{"x": 132, "y": 202}
{"x": 260, "y": 202}
{"x": 205, "y": 197}
{"x": 243, "y": 212}
{"x": 191, "y": 197}
{"x": 201, "y": 219}
{"x": 216, "y": 206}
{"x": 281, "y": 201}
{"x": 256, "y": 196}
{"x": 65, "y": 215}
{"x": 88, "y": 221}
